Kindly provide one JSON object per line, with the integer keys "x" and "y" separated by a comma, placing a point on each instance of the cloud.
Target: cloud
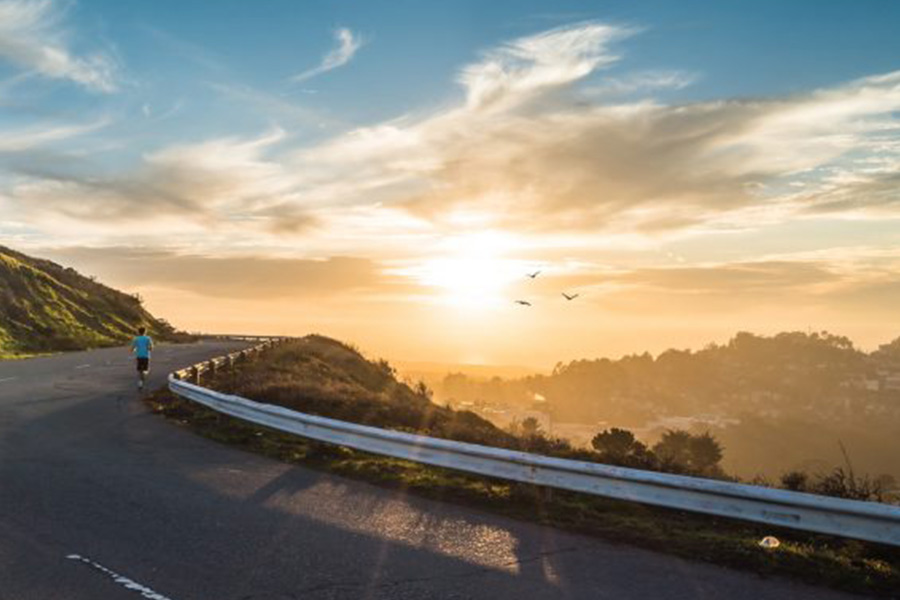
{"x": 519, "y": 69}
{"x": 273, "y": 107}
{"x": 643, "y": 82}
{"x": 32, "y": 38}
{"x": 743, "y": 278}
{"x": 534, "y": 148}
{"x": 348, "y": 44}
{"x": 36, "y": 137}
{"x": 242, "y": 277}
{"x": 790, "y": 291}
{"x": 220, "y": 183}
{"x": 531, "y": 148}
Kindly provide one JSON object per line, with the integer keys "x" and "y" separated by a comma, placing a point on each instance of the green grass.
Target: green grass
{"x": 45, "y": 307}
{"x": 330, "y": 371}
{"x": 22, "y": 355}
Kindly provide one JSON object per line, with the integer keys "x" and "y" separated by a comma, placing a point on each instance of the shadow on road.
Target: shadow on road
{"x": 196, "y": 519}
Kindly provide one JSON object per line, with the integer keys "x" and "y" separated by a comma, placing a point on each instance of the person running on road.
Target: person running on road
{"x": 141, "y": 347}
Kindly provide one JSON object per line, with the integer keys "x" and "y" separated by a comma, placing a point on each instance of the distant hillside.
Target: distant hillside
{"x": 45, "y": 307}
{"x": 788, "y": 401}
{"x": 437, "y": 370}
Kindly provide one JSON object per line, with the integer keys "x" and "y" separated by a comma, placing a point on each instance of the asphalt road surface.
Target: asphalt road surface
{"x": 101, "y": 499}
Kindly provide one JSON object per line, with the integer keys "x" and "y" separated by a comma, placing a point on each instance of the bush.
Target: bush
{"x": 796, "y": 481}
{"x": 683, "y": 452}
{"x": 617, "y": 443}
{"x": 843, "y": 483}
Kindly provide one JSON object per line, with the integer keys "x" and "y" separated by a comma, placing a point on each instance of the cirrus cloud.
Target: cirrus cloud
{"x": 32, "y": 37}
{"x": 348, "y": 43}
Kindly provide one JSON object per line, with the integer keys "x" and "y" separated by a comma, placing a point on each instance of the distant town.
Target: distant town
{"x": 778, "y": 402}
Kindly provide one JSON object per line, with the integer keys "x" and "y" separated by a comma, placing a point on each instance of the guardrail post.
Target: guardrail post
{"x": 195, "y": 375}
{"x": 211, "y": 367}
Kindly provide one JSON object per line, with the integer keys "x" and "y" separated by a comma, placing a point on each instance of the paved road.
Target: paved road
{"x": 101, "y": 500}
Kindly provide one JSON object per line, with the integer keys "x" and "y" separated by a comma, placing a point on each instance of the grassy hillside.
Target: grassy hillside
{"x": 45, "y": 307}
{"x": 322, "y": 376}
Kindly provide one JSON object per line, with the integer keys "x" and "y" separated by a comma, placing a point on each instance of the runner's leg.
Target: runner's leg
{"x": 142, "y": 367}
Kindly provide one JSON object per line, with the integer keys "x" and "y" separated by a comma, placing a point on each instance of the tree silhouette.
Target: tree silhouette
{"x": 705, "y": 452}
{"x": 617, "y": 443}
{"x": 530, "y": 427}
{"x": 674, "y": 449}
{"x": 694, "y": 453}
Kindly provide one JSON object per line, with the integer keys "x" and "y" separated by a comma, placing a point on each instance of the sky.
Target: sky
{"x": 389, "y": 172}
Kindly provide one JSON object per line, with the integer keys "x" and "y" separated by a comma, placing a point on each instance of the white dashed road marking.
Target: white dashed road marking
{"x": 82, "y": 366}
{"x": 120, "y": 579}
{"x": 7, "y": 379}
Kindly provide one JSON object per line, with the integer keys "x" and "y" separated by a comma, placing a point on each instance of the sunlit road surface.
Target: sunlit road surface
{"x": 101, "y": 499}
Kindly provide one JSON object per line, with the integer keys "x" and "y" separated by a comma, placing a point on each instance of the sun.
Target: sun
{"x": 472, "y": 270}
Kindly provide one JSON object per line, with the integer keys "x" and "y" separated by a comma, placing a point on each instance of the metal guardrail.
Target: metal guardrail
{"x": 194, "y": 372}
{"x": 241, "y": 337}
{"x": 869, "y": 521}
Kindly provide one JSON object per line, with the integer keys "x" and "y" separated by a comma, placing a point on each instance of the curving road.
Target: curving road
{"x": 100, "y": 499}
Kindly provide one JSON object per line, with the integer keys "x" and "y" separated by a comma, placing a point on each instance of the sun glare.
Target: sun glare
{"x": 471, "y": 270}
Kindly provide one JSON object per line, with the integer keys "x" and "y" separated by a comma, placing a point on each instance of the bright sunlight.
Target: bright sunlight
{"x": 471, "y": 270}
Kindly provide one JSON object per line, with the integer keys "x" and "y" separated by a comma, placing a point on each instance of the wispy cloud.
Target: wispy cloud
{"x": 348, "y": 43}
{"x": 273, "y": 106}
{"x": 32, "y": 37}
{"x": 208, "y": 185}
{"x": 28, "y": 139}
{"x": 529, "y": 148}
{"x": 525, "y": 66}
{"x": 643, "y": 82}
{"x": 242, "y": 276}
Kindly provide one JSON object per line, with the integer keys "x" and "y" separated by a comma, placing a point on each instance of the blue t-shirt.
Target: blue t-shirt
{"x": 142, "y": 345}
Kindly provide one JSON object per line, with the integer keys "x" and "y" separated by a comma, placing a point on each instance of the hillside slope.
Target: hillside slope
{"x": 325, "y": 377}
{"x": 45, "y": 307}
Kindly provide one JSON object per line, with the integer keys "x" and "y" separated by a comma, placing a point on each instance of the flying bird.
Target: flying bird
{"x": 523, "y": 302}
{"x": 568, "y": 297}
{"x": 533, "y": 275}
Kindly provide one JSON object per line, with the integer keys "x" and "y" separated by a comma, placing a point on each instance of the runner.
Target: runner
{"x": 141, "y": 347}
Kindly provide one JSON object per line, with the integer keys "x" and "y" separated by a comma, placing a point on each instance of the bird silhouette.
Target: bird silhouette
{"x": 523, "y": 302}
{"x": 568, "y": 297}
{"x": 533, "y": 275}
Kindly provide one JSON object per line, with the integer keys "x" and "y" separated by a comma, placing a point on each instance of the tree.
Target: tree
{"x": 617, "y": 443}
{"x": 674, "y": 448}
{"x": 697, "y": 453}
{"x": 530, "y": 427}
{"x": 421, "y": 389}
{"x": 705, "y": 452}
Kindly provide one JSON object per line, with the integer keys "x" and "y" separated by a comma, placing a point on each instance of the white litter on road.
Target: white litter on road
{"x": 120, "y": 579}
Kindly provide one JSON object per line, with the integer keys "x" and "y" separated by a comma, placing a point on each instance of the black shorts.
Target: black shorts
{"x": 143, "y": 365}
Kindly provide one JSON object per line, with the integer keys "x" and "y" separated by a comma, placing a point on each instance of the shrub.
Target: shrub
{"x": 617, "y": 443}
{"x": 683, "y": 452}
{"x": 796, "y": 481}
